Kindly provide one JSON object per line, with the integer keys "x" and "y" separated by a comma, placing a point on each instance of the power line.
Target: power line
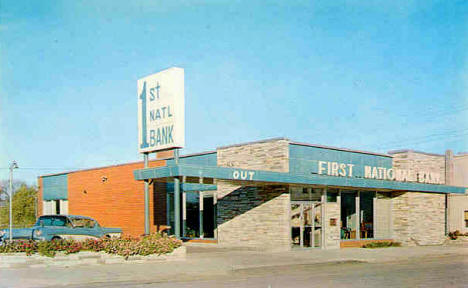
{"x": 417, "y": 142}
{"x": 443, "y": 133}
{"x": 45, "y": 168}
{"x": 437, "y": 111}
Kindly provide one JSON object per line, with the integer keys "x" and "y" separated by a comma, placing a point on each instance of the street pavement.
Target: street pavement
{"x": 208, "y": 266}
{"x": 441, "y": 271}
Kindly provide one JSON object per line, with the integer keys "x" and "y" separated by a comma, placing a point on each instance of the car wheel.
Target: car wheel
{"x": 55, "y": 238}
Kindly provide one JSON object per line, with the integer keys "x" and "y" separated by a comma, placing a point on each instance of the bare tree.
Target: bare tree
{"x": 4, "y": 186}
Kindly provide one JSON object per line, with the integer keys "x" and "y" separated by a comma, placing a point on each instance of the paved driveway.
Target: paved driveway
{"x": 231, "y": 265}
{"x": 442, "y": 271}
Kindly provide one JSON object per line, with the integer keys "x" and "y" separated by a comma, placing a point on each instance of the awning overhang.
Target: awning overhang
{"x": 259, "y": 176}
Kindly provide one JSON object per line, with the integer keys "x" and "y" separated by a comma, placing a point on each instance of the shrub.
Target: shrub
{"x": 96, "y": 245}
{"x": 126, "y": 246}
{"x": 146, "y": 245}
{"x": 22, "y": 246}
{"x": 383, "y": 244}
{"x": 454, "y": 235}
{"x": 49, "y": 248}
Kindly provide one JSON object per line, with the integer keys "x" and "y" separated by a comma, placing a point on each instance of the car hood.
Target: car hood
{"x": 18, "y": 233}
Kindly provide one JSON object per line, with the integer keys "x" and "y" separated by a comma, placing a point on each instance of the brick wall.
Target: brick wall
{"x": 116, "y": 202}
{"x": 39, "y": 197}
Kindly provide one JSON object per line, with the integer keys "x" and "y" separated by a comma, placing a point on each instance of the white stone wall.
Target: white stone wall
{"x": 420, "y": 162}
{"x": 383, "y": 216}
{"x": 460, "y": 170}
{"x": 332, "y": 233}
{"x": 428, "y": 216}
{"x": 401, "y": 218}
{"x": 270, "y": 155}
{"x": 418, "y": 218}
{"x": 254, "y": 216}
{"x": 458, "y": 205}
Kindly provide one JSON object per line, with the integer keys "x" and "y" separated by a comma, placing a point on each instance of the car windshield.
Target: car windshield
{"x": 53, "y": 221}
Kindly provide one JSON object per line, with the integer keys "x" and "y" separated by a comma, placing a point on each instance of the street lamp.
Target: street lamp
{"x": 13, "y": 165}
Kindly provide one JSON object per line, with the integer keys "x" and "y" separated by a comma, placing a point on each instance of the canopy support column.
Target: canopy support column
{"x": 147, "y": 216}
{"x": 176, "y": 198}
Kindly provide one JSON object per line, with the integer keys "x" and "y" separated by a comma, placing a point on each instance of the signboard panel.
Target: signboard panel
{"x": 161, "y": 109}
{"x": 306, "y": 160}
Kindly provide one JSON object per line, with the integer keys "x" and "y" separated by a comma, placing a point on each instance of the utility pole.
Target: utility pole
{"x": 13, "y": 165}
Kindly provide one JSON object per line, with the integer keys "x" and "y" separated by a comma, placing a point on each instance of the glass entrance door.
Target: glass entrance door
{"x": 197, "y": 216}
{"x": 306, "y": 224}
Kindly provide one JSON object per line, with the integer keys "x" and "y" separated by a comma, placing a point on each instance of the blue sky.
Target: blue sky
{"x": 369, "y": 75}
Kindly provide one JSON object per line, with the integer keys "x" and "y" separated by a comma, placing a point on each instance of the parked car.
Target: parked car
{"x": 51, "y": 227}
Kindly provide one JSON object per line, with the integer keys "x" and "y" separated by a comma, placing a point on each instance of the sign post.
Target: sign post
{"x": 161, "y": 117}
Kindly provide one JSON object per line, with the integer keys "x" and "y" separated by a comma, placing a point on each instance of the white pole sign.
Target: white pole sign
{"x": 161, "y": 111}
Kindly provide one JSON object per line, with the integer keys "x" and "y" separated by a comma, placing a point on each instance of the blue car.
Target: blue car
{"x": 52, "y": 227}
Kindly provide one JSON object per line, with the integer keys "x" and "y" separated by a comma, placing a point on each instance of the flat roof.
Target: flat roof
{"x": 340, "y": 149}
{"x": 249, "y": 143}
{"x": 123, "y": 164}
{"x": 414, "y": 151}
{"x": 305, "y": 144}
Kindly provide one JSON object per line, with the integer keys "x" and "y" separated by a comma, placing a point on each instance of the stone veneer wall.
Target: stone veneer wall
{"x": 419, "y": 218}
{"x": 267, "y": 155}
{"x": 401, "y": 218}
{"x": 458, "y": 205}
{"x": 420, "y": 162}
{"x": 383, "y": 216}
{"x": 332, "y": 233}
{"x": 254, "y": 216}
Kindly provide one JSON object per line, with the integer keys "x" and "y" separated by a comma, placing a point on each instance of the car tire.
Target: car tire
{"x": 55, "y": 238}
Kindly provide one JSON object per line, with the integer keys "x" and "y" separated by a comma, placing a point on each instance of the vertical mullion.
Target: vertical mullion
{"x": 301, "y": 227}
{"x": 215, "y": 212}
{"x": 323, "y": 217}
{"x": 177, "y": 207}
{"x": 358, "y": 215}
{"x": 200, "y": 199}
{"x": 184, "y": 213}
{"x": 312, "y": 236}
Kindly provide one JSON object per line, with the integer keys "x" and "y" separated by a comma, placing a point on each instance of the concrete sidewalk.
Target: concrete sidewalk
{"x": 205, "y": 262}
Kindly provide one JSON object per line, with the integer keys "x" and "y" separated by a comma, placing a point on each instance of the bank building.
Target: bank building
{"x": 274, "y": 194}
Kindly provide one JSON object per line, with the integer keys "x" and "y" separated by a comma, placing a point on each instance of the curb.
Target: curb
{"x": 21, "y": 260}
{"x": 237, "y": 268}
